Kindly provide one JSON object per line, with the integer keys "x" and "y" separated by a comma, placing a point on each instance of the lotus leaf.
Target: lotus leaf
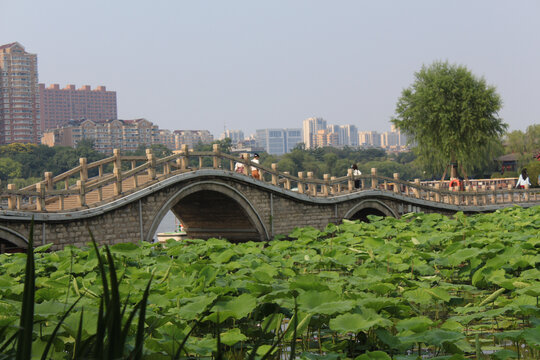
{"x": 505, "y": 354}
{"x": 326, "y": 303}
{"x": 235, "y": 307}
{"x": 194, "y": 307}
{"x": 532, "y": 337}
{"x": 307, "y": 282}
{"x": 232, "y": 336}
{"x": 353, "y": 323}
{"x": 416, "y": 324}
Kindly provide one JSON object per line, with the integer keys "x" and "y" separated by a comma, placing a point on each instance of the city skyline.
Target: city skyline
{"x": 249, "y": 66}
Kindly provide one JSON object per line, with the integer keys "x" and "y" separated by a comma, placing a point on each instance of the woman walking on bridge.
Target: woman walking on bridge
{"x": 523, "y": 180}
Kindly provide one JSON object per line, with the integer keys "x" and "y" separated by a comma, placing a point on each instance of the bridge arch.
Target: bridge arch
{"x": 11, "y": 237}
{"x": 369, "y": 207}
{"x": 237, "y": 205}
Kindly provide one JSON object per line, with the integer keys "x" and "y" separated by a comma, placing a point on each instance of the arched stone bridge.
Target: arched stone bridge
{"x": 213, "y": 201}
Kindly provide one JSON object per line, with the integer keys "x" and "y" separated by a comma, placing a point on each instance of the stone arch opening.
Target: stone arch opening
{"x": 11, "y": 241}
{"x": 369, "y": 207}
{"x": 213, "y": 209}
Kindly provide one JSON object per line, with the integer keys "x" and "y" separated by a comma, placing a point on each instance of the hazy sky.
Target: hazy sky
{"x": 261, "y": 64}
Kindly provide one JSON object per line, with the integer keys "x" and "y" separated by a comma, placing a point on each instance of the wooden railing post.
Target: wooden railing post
{"x": 118, "y": 181}
{"x": 151, "y": 164}
{"x": 84, "y": 169}
{"x": 350, "y": 180}
{"x": 117, "y": 172}
{"x": 274, "y": 174}
{"x": 300, "y": 182}
{"x": 40, "y": 200}
{"x": 49, "y": 180}
{"x": 326, "y": 186}
{"x": 312, "y": 188}
{"x": 82, "y": 193}
{"x": 437, "y": 192}
{"x": 374, "y": 180}
{"x": 215, "y": 149}
{"x": 185, "y": 157}
{"x": 247, "y": 167}
{"x": 475, "y": 195}
{"x": 333, "y": 188}
{"x": 12, "y": 199}
{"x": 416, "y": 189}
{"x": 287, "y": 184}
{"x": 166, "y": 168}
{"x": 526, "y": 193}
{"x": 467, "y": 196}
{"x": 396, "y": 184}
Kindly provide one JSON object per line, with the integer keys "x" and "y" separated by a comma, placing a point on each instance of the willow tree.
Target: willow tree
{"x": 451, "y": 117}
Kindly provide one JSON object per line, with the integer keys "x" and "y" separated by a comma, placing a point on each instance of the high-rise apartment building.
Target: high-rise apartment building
{"x": 310, "y": 127}
{"x": 327, "y": 137}
{"x": 348, "y": 135}
{"x": 278, "y": 141}
{"x": 58, "y": 106}
{"x": 19, "y": 96}
{"x": 369, "y": 139}
{"x": 236, "y": 136}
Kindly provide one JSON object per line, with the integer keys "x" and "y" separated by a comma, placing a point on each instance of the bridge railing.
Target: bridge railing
{"x": 497, "y": 183}
{"x": 92, "y": 184}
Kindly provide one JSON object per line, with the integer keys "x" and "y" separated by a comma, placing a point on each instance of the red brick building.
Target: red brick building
{"x": 58, "y": 106}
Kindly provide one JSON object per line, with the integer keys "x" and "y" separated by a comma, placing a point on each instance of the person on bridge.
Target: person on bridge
{"x": 254, "y": 171}
{"x": 355, "y": 173}
{"x": 523, "y": 180}
{"x": 239, "y": 166}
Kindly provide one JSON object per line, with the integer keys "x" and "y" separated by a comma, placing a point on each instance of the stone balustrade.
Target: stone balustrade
{"x": 111, "y": 178}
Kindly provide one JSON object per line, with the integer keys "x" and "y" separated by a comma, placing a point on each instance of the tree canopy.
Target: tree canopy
{"x": 451, "y": 115}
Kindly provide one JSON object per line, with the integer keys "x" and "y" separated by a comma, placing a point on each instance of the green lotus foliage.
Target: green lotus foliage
{"x": 425, "y": 285}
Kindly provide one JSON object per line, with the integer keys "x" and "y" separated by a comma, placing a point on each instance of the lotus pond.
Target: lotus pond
{"x": 423, "y": 286}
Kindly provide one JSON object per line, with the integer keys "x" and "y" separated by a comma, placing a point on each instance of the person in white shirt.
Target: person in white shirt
{"x": 239, "y": 166}
{"x": 254, "y": 170}
{"x": 355, "y": 173}
{"x": 523, "y": 180}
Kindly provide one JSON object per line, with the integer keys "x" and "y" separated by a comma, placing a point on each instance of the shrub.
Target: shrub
{"x": 533, "y": 169}
{"x": 506, "y": 175}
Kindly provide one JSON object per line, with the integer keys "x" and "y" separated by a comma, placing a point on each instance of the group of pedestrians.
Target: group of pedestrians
{"x": 239, "y": 167}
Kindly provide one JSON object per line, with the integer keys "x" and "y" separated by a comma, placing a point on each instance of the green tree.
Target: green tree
{"x": 223, "y": 145}
{"x": 9, "y": 169}
{"x": 451, "y": 116}
{"x": 526, "y": 144}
